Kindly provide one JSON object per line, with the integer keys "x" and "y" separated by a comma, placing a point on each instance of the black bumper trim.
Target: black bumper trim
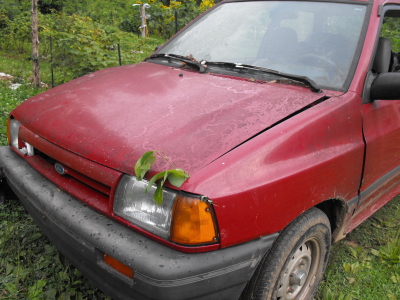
{"x": 82, "y": 235}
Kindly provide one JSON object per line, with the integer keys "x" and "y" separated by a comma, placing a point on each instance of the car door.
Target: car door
{"x": 381, "y": 126}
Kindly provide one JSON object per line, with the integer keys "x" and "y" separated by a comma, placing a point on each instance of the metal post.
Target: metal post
{"x": 51, "y": 62}
{"x": 119, "y": 54}
{"x": 176, "y": 21}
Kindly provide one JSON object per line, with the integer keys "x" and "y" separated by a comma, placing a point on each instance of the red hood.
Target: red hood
{"x": 115, "y": 115}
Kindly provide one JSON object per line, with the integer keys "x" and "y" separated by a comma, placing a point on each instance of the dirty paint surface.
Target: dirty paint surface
{"x": 115, "y": 115}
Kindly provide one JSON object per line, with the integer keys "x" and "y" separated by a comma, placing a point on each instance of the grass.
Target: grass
{"x": 364, "y": 266}
{"x": 11, "y": 98}
{"x": 30, "y": 267}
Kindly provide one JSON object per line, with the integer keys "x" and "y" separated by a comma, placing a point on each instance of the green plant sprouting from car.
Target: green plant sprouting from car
{"x": 175, "y": 176}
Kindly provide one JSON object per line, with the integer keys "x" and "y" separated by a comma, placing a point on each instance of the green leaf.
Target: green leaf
{"x": 9, "y": 269}
{"x": 65, "y": 296}
{"x": 327, "y": 294}
{"x": 144, "y": 164}
{"x": 347, "y": 297}
{"x": 375, "y": 252}
{"x": 158, "y": 195}
{"x": 36, "y": 290}
{"x": 11, "y": 287}
{"x": 347, "y": 267}
{"x": 50, "y": 294}
{"x": 155, "y": 178}
{"x": 177, "y": 177}
{"x": 32, "y": 238}
{"x": 42, "y": 263}
{"x": 49, "y": 249}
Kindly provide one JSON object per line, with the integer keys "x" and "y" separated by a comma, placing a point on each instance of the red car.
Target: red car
{"x": 281, "y": 112}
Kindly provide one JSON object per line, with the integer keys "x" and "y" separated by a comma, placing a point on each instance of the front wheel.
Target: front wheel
{"x": 295, "y": 264}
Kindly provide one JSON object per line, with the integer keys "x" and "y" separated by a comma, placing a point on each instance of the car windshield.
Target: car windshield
{"x": 317, "y": 40}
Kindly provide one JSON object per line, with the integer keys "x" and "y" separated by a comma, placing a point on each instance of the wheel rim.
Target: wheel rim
{"x": 300, "y": 272}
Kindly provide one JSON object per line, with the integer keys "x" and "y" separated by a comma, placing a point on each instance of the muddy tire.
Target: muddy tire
{"x": 296, "y": 262}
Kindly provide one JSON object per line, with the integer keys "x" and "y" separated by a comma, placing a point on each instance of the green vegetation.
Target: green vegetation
{"x": 175, "y": 176}
{"x": 30, "y": 267}
{"x": 79, "y": 46}
{"x": 80, "y": 37}
{"x": 117, "y": 13}
{"x": 10, "y": 98}
{"x": 366, "y": 265}
{"x": 391, "y": 30}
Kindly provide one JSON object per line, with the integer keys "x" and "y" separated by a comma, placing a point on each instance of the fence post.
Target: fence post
{"x": 119, "y": 54}
{"x": 51, "y": 61}
{"x": 176, "y": 21}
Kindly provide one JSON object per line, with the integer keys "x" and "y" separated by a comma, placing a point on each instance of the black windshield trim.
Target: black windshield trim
{"x": 184, "y": 59}
{"x": 303, "y": 79}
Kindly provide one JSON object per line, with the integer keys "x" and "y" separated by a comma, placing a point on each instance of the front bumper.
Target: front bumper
{"x": 83, "y": 236}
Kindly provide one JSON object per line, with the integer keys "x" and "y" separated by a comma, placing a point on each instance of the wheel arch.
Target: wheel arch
{"x": 336, "y": 210}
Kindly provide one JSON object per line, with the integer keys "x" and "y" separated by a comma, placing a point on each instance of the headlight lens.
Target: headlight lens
{"x": 13, "y": 132}
{"x": 182, "y": 218}
{"x": 132, "y": 204}
{"x": 15, "y": 141}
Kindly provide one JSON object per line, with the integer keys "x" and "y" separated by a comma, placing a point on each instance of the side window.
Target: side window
{"x": 391, "y": 31}
{"x": 383, "y": 81}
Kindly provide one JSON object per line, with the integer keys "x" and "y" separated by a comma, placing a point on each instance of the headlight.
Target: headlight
{"x": 132, "y": 204}
{"x": 183, "y": 219}
{"x": 14, "y": 140}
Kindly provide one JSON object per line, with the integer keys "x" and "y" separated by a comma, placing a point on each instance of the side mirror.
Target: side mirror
{"x": 386, "y": 86}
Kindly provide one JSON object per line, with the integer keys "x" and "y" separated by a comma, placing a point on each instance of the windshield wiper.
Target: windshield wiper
{"x": 185, "y": 59}
{"x": 303, "y": 79}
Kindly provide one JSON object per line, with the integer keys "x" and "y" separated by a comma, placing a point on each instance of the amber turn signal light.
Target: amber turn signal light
{"x": 118, "y": 266}
{"x": 192, "y": 222}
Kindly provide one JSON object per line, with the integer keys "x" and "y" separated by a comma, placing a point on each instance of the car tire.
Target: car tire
{"x": 296, "y": 262}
